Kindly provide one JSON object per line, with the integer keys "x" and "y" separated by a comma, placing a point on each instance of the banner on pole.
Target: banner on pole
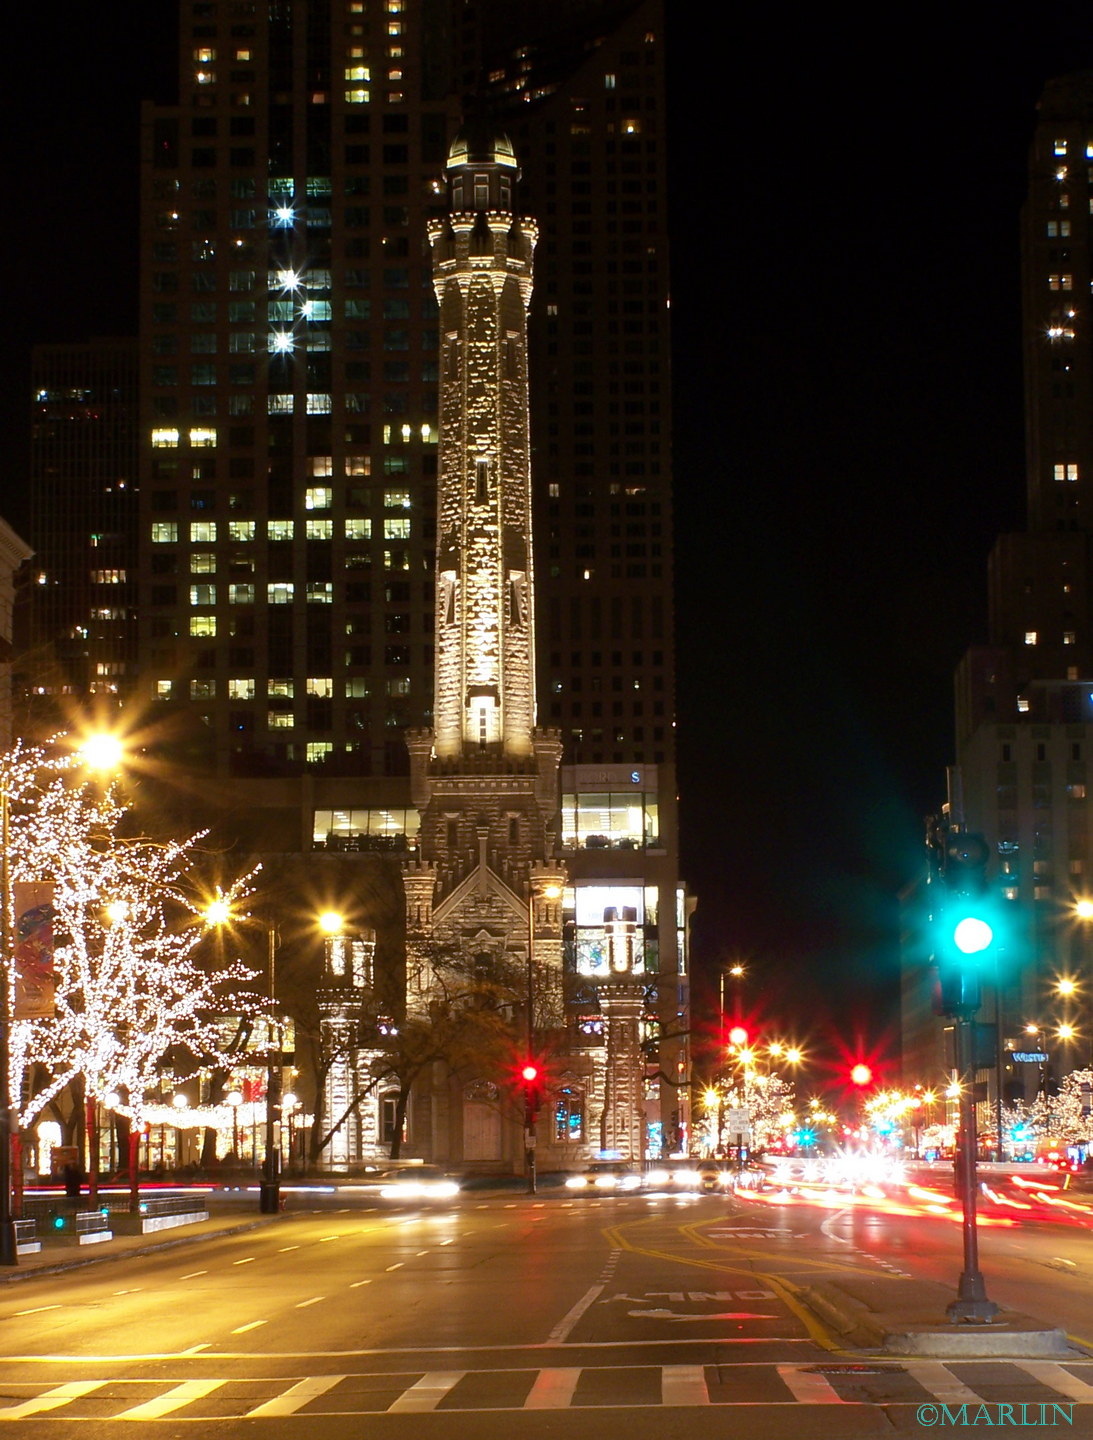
{"x": 33, "y": 997}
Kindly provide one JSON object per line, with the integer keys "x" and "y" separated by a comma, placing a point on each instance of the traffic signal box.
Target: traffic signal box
{"x": 963, "y": 922}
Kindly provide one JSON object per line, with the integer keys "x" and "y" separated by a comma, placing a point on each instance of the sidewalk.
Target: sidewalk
{"x": 908, "y": 1317}
{"x": 57, "y": 1256}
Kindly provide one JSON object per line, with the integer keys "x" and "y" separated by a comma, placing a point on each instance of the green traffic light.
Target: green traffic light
{"x": 972, "y": 935}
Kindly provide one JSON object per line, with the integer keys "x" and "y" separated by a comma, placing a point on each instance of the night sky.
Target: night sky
{"x": 849, "y": 432}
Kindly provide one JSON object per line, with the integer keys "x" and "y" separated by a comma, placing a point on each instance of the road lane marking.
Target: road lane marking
{"x": 426, "y": 1393}
{"x": 941, "y": 1383}
{"x": 809, "y": 1389}
{"x": 248, "y": 1261}
{"x": 397, "y": 1266}
{"x": 242, "y": 1329}
{"x": 553, "y": 1389}
{"x": 196, "y": 1349}
{"x": 324, "y": 1238}
{"x": 422, "y": 1252}
{"x": 174, "y": 1399}
{"x": 683, "y": 1385}
{"x": 358, "y": 1283}
{"x": 1049, "y": 1373}
{"x": 296, "y": 1396}
{"x": 37, "y": 1309}
{"x": 561, "y": 1332}
{"x": 135, "y": 1291}
{"x": 450, "y": 1241}
{"x": 313, "y": 1301}
{"x": 193, "y": 1274}
{"x": 51, "y": 1399}
{"x": 286, "y": 1248}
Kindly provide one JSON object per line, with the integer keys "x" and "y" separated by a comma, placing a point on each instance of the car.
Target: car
{"x": 605, "y": 1176}
{"x": 419, "y": 1182}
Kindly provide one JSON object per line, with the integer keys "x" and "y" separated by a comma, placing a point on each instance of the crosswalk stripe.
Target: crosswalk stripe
{"x": 51, "y": 1399}
{"x": 1050, "y": 1373}
{"x": 296, "y": 1396}
{"x": 683, "y": 1385}
{"x": 174, "y": 1399}
{"x": 426, "y": 1393}
{"x": 942, "y": 1384}
{"x": 808, "y": 1388}
{"x": 553, "y": 1389}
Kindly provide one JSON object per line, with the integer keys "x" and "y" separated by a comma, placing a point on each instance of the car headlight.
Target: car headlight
{"x": 629, "y": 1182}
{"x": 576, "y": 1182}
{"x": 444, "y": 1189}
{"x": 658, "y": 1177}
{"x": 605, "y": 1182}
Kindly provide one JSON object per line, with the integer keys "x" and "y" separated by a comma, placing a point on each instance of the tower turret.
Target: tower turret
{"x": 482, "y": 270}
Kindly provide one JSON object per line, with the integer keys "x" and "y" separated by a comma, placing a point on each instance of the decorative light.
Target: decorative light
{"x": 281, "y": 342}
{"x": 102, "y": 752}
{"x": 331, "y": 923}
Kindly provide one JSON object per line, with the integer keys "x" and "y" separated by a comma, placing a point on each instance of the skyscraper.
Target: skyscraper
{"x": 1024, "y": 701}
{"x": 290, "y": 344}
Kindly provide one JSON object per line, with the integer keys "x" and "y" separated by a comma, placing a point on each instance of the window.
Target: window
{"x": 202, "y": 625}
{"x": 1070, "y": 637}
{"x": 202, "y": 531}
{"x": 241, "y": 529}
{"x": 318, "y": 750}
{"x": 358, "y": 529}
{"x": 202, "y": 689}
{"x": 396, "y": 528}
{"x": 320, "y": 592}
{"x": 1060, "y": 282}
{"x": 1067, "y": 471}
{"x": 279, "y": 529}
{"x": 240, "y": 594}
{"x": 320, "y": 529}
{"x": 164, "y": 531}
{"x": 203, "y": 594}
{"x": 319, "y": 497}
{"x": 396, "y": 499}
{"x": 164, "y": 439}
{"x": 1030, "y": 637}
{"x": 202, "y": 562}
{"x": 280, "y": 592}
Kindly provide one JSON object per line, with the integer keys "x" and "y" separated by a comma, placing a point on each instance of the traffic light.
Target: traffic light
{"x": 531, "y": 1077}
{"x": 861, "y": 1075}
{"x": 964, "y": 924}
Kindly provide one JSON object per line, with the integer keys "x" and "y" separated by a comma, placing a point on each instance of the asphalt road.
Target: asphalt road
{"x": 490, "y": 1317}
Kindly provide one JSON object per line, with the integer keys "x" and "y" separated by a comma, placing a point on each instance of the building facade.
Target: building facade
{"x": 1024, "y": 701}
{"x": 291, "y": 354}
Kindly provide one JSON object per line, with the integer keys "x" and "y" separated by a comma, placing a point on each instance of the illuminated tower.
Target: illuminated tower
{"x": 485, "y": 779}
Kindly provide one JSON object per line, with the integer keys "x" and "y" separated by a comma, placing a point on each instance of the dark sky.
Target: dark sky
{"x": 849, "y": 435}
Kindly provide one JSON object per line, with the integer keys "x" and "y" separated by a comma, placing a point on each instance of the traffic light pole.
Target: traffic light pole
{"x": 971, "y": 1302}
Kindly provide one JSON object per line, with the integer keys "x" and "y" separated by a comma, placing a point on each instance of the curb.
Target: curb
{"x": 78, "y": 1261}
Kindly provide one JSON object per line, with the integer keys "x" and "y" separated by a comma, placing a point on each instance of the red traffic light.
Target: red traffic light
{"x": 529, "y": 1073}
{"x": 861, "y": 1075}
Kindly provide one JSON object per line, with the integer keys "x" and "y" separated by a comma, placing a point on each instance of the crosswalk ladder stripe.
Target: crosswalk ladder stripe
{"x": 426, "y": 1393}
{"x": 809, "y": 1389}
{"x": 1050, "y": 1373}
{"x": 51, "y": 1399}
{"x": 683, "y": 1385}
{"x": 941, "y": 1383}
{"x": 296, "y": 1396}
{"x": 173, "y": 1399}
{"x": 553, "y": 1389}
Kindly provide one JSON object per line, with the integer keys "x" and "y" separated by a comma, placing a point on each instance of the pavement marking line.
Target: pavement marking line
{"x": 193, "y": 1274}
{"x": 283, "y": 1250}
{"x": 358, "y": 1283}
{"x": 1056, "y": 1377}
{"x": 248, "y": 1261}
{"x": 808, "y": 1389}
{"x": 37, "y": 1310}
{"x": 324, "y": 1238}
{"x": 173, "y": 1399}
{"x": 941, "y": 1383}
{"x": 397, "y": 1266}
{"x": 313, "y": 1301}
{"x": 254, "y": 1324}
{"x": 553, "y": 1389}
{"x": 564, "y": 1328}
{"x": 197, "y": 1349}
{"x": 295, "y": 1397}
{"x": 426, "y": 1393}
{"x": 51, "y": 1399}
{"x": 683, "y": 1385}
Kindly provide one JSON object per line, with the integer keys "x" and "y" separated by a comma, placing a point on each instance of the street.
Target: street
{"x": 511, "y": 1315}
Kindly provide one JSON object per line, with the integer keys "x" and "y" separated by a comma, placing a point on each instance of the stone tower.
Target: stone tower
{"x": 485, "y": 779}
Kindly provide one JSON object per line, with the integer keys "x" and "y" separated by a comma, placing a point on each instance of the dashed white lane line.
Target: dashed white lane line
{"x": 135, "y": 1291}
{"x": 422, "y": 1252}
{"x": 248, "y": 1261}
{"x": 358, "y": 1283}
{"x": 397, "y": 1266}
{"x": 242, "y": 1329}
{"x": 313, "y": 1301}
{"x": 37, "y": 1310}
{"x": 324, "y": 1238}
{"x": 286, "y": 1248}
{"x": 193, "y": 1274}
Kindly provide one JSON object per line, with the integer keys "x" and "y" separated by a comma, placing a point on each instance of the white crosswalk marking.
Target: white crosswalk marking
{"x": 683, "y": 1385}
{"x": 553, "y": 1389}
{"x": 426, "y": 1393}
{"x": 173, "y": 1399}
{"x": 51, "y": 1399}
{"x": 296, "y": 1396}
{"x": 809, "y": 1389}
{"x": 942, "y": 1384}
{"x": 1053, "y": 1375}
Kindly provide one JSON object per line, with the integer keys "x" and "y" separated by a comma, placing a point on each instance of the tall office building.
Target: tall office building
{"x": 1024, "y": 701}
{"x": 79, "y": 626}
{"x": 290, "y": 345}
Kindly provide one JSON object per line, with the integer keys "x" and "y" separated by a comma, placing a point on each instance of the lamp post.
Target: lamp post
{"x": 269, "y": 1189}
{"x": 9, "y": 1254}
